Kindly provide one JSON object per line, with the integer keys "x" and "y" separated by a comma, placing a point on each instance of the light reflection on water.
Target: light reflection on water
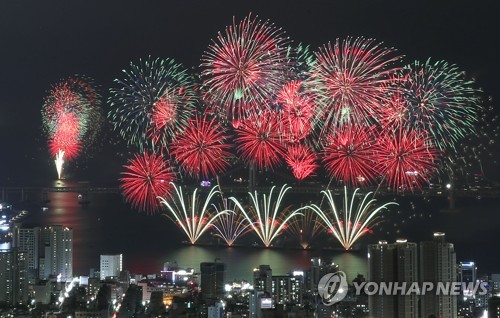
{"x": 240, "y": 261}
{"x": 109, "y": 226}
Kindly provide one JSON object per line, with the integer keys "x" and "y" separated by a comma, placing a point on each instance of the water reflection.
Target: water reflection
{"x": 240, "y": 261}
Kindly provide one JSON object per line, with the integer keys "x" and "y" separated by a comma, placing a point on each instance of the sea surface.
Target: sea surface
{"x": 107, "y": 225}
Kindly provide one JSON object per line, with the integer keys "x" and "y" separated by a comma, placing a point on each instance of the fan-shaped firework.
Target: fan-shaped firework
{"x": 244, "y": 67}
{"x": 259, "y": 140}
{"x": 349, "y": 155}
{"x": 71, "y": 117}
{"x": 441, "y": 101}
{"x": 145, "y": 178}
{"x": 302, "y": 160}
{"x": 154, "y": 99}
{"x": 231, "y": 225}
{"x": 298, "y": 111}
{"x": 189, "y": 214}
{"x": 201, "y": 149}
{"x": 406, "y": 158}
{"x": 306, "y": 228}
{"x": 266, "y": 217}
{"x": 349, "y": 78}
{"x": 351, "y": 221}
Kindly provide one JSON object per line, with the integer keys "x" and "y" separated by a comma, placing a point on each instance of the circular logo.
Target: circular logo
{"x": 332, "y": 288}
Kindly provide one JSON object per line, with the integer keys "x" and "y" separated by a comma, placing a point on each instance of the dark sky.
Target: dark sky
{"x": 42, "y": 42}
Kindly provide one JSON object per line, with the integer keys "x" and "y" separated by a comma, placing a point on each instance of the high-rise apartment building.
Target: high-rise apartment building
{"x": 28, "y": 240}
{"x": 438, "y": 265}
{"x": 467, "y": 275}
{"x": 393, "y": 263}
{"x": 58, "y": 252}
{"x": 13, "y": 276}
{"x": 263, "y": 279}
{"x": 212, "y": 280}
{"x": 288, "y": 289}
{"x": 111, "y": 265}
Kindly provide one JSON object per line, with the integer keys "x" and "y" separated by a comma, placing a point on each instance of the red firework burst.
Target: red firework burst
{"x": 349, "y": 155}
{"x": 168, "y": 116}
{"x": 201, "y": 149}
{"x": 299, "y": 110}
{"x": 302, "y": 160}
{"x": 244, "y": 67}
{"x": 259, "y": 140}
{"x": 146, "y": 177}
{"x": 349, "y": 78}
{"x": 407, "y": 158}
{"x": 66, "y": 136}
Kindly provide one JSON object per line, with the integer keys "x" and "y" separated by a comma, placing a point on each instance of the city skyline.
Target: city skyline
{"x": 135, "y": 105}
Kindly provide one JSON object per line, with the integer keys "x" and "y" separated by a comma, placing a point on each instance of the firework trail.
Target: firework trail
{"x": 230, "y": 225}
{"x": 71, "y": 118}
{"x": 189, "y": 214}
{"x": 145, "y": 178}
{"x": 244, "y": 67}
{"x": 441, "y": 101}
{"x": 306, "y": 228}
{"x": 152, "y": 102}
{"x": 202, "y": 149}
{"x": 259, "y": 140}
{"x": 406, "y": 158}
{"x": 350, "y": 222}
{"x": 350, "y": 155}
{"x": 302, "y": 160}
{"x": 265, "y": 217}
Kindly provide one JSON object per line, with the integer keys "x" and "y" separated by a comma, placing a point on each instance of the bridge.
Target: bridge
{"x": 34, "y": 193}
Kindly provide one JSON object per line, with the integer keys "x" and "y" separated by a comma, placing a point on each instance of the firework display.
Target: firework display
{"x": 351, "y": 221}
{"x": 264, "y": 111}
{"x": 202, "y": 149}
{"x": 306, "y": 228}
{"x": 145, "y": 178}
{"x": 71, "y": 117}
{"x": 189, "y": 214}
{"x": 350, "y": 155}
{"x": 298, "y": 109}
{"x": 230, "y": 225}
{"x": 259, "y": 140}
{"x": 244, "y": 67}
{"x": 407, "y": 158}
{"x": 440, "y": 100}
{"x": 349, "y": 77}
{"x": 266, "y": 217}
{"x": 152, "y": 102}
{"x": 467, "y": 158}
{"x": 302, "y": 160}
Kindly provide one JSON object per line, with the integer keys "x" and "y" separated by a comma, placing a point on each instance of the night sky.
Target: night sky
{"x": 42, "y": 42}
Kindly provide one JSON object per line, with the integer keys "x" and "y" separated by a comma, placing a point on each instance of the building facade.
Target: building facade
{"x": 111, "y": 265}
{"x": 391, "y": 263}
{"x": 438, "y": 265}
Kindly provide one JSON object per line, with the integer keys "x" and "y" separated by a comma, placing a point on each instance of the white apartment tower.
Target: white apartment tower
{"x": 111, "y": 265}
{"x": 58, "y": 258}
